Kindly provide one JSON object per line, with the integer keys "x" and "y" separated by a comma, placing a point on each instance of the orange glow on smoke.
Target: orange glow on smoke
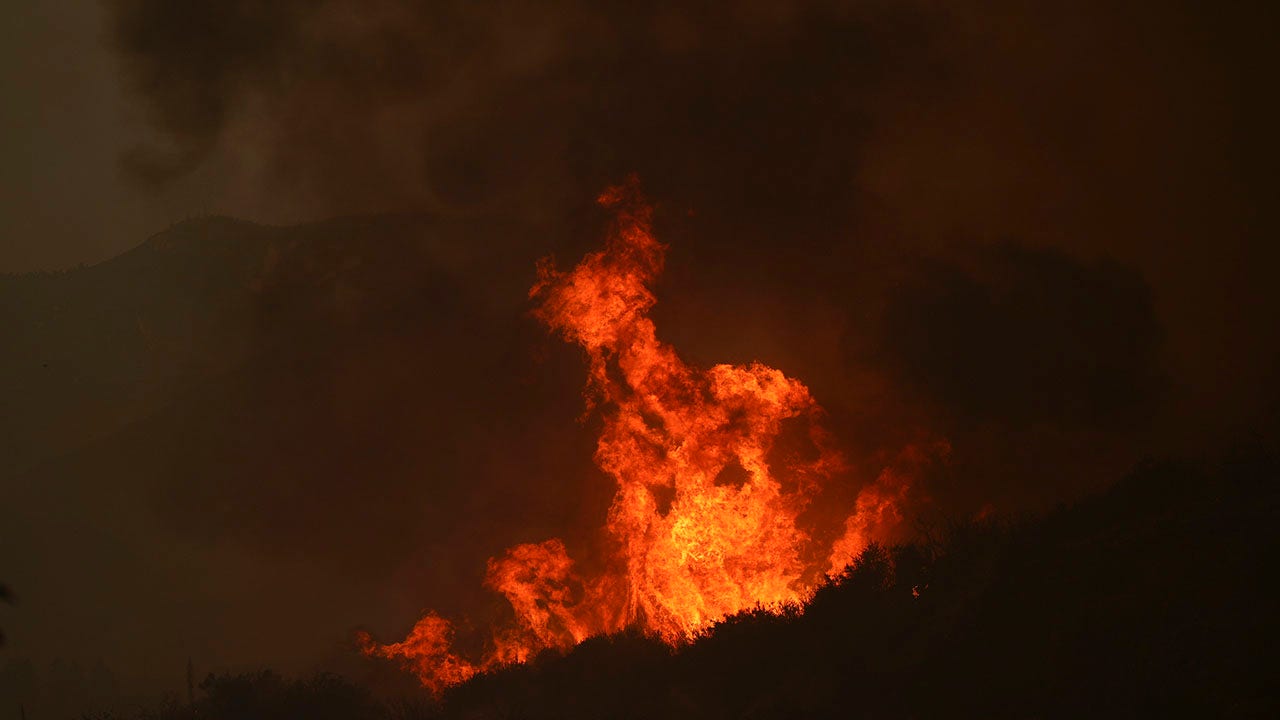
{"x": 704, "y": 523}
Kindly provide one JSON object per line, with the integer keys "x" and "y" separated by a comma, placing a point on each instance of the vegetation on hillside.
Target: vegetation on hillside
{"x": 1148, "y": 599}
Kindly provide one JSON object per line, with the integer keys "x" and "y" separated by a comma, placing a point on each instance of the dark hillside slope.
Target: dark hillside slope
{"x": 1147, "y": 601}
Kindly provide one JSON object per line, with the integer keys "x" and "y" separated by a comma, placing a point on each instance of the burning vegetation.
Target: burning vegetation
{"x": 706, "y": 520}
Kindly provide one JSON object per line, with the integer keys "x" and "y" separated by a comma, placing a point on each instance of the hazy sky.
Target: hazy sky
{"x": 67, "y": 119}
{"x": 62, "y": 126}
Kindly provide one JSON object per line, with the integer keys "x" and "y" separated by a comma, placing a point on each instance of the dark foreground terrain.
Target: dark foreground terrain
{"x": 1147, "y": 600}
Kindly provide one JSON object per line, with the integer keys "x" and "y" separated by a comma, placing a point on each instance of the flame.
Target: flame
{"x": 702, "y": 525}
{"x": 426, "y": 652}
{"x": 877, "y": 513}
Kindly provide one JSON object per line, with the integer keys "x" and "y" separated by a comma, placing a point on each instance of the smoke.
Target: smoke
{"x": 368, "y": 106}
{"x": 1023, "y": 337}
{"x": 795, "y": 134}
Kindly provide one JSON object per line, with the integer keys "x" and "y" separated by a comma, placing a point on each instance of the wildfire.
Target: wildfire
{"x": 704, "y": 523}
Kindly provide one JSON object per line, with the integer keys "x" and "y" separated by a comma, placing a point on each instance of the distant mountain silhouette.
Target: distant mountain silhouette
{"x": 88, "y": 348}
{"x": 219, "y": 348}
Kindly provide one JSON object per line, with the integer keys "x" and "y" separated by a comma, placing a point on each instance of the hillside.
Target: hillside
{"x": 1147, "y": 600}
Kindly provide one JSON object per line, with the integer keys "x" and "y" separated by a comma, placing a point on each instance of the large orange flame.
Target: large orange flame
{"x": 705, "y": 520}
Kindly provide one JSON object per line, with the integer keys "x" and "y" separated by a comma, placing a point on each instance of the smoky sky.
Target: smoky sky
{"x": 788, "y": 132}
{"x": 475, "y": 106}
{"x": 1039, "y": 234}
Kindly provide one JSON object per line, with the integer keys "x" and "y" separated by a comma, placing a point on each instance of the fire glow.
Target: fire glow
{"x": 705, "y": 520}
